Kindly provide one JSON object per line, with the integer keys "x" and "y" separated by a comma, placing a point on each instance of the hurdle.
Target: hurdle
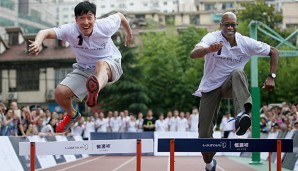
{"x": 137, "y": 146}
{"x": 225, "y": 145}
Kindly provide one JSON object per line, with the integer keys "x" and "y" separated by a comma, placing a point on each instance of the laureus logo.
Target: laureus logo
{"x": 83, "y": 146}
{"x": 219, "y": 145}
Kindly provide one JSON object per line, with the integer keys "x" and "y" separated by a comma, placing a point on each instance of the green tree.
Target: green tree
{"x": 259, "y": 11}
{"x": 169, "y": 73}
{"x": 286, "y": 82}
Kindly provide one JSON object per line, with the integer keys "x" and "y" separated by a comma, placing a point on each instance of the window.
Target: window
{"x": 170, "y": 20}
{"x": 112, "y": 6}
{"x": 131, "y": 4}
{"x": 227, "y": 5}
{"x": 28, "y": 79}
{"x": 122, "y": 6}
{"x": 209, "y": 7}
{"x": 195, "y": 19}
{"x": 165, "y": 3}
{"x": 145, "y": 4}
{"x": 103, "y": 6}
{"x": 60, "y": 74}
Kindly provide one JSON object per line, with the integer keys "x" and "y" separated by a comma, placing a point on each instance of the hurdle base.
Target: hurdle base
{"x": 255, "y": 162}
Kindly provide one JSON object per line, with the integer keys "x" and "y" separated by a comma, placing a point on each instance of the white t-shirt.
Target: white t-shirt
{"x": 139, "y": 123}
{"x": 182, "y": 125}
{"x": 115, "y": 124}
{"x": 194, "y": 121}
{"x": 161, "y": 126}
{"x": 173, "y": 123}
{"x": 77, "y": 130}
{"x": 218, "y": 66}
{"x": 131, "y": 126}
{"x": 89, "y": 127}
{"x": 99, "y": 45}
{"x": 225, "y": 125}
{"x": 101, "y": 125}
{"x": 47, "y": 129}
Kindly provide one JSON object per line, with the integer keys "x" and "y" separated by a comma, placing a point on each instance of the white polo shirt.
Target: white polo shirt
{"x": 219, "y": 65}
{"x": 99, "y": 45}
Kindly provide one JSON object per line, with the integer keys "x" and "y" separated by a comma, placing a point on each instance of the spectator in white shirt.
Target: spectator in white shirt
{"x": 78, "y": 128}
{"x": 161, "y": 125}
{"x": 139, "y": 122}
{"x": 115, "y": 122}
{"x": 89, "y": 127}
{"x": 101, "y": 123}
{"x": 194, "y": 120}
{"x": 182, "y": 123}
{"x": 132, "y": 124}
{"x": 173, "y": 123}
{"x": 109, "y": 117}
{"x": 225, "y": 126}
{"x": 123, "y": 122}
{"x": 168, "y": 118}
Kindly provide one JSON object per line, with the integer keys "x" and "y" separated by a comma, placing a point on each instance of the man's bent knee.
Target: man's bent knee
{"x": 103, "y": 65}
{"x": 62, "y": 92}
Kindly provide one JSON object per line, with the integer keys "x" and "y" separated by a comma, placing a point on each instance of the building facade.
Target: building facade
{"x": 30, "y": 15}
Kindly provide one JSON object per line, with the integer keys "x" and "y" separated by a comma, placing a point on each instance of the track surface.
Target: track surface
{"x": 154, "y": 163}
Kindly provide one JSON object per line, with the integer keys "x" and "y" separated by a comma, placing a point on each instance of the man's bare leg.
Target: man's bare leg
{"x": 97, "y": 82}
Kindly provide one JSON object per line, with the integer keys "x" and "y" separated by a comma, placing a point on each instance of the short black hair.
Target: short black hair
{"x": 84, "y": 7}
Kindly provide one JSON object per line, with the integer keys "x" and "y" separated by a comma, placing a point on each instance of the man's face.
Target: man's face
{"x": 229, "y": 26}
{"x": 86, "y": 23}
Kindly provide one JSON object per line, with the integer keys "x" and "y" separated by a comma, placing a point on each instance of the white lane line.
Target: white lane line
{"x": 82, "y": 163}
{"x": 168, "y": 169}
{"x": 125, "y": 163}
{"x": 220, "y": 168}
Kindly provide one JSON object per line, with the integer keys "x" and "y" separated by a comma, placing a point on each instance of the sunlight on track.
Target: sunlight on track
{"x": 82, "y": 163}
{"x": 125, "y": 163}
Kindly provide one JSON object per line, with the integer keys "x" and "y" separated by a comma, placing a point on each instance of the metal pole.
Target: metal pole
{"x": 278, "y": 155}
{"x": 172, "y": 155}
{"x": 139, "y": 154}
{"x": 255, "y": 93}
{"x": 32, "y": 156}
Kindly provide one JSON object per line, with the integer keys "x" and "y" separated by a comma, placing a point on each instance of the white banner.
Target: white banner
{"x": 63, "y": 138}
{"x": 8, "y": 158}
{"x": 46, "y": 160}
{"x": 86, "y": 147}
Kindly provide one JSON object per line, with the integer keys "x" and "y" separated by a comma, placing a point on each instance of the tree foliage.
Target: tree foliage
{"x": 169, "y": 73}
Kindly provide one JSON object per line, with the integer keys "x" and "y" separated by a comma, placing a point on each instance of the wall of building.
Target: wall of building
{"x": 290, "y": 16}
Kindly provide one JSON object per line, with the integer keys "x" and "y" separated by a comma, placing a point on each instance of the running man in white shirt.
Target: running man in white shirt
{"x": 226, "y": 52}
{"x": 98, "y": 59}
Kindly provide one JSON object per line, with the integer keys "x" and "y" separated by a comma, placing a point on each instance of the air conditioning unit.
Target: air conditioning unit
{"x": 12, "y": 95}
{"x": 50, "y": 94}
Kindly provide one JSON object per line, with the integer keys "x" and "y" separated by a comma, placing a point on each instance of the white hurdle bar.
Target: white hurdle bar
{"x": 137, "y": 146}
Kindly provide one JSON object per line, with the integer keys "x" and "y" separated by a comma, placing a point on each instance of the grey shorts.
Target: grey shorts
{"x": 76, "y": 80}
